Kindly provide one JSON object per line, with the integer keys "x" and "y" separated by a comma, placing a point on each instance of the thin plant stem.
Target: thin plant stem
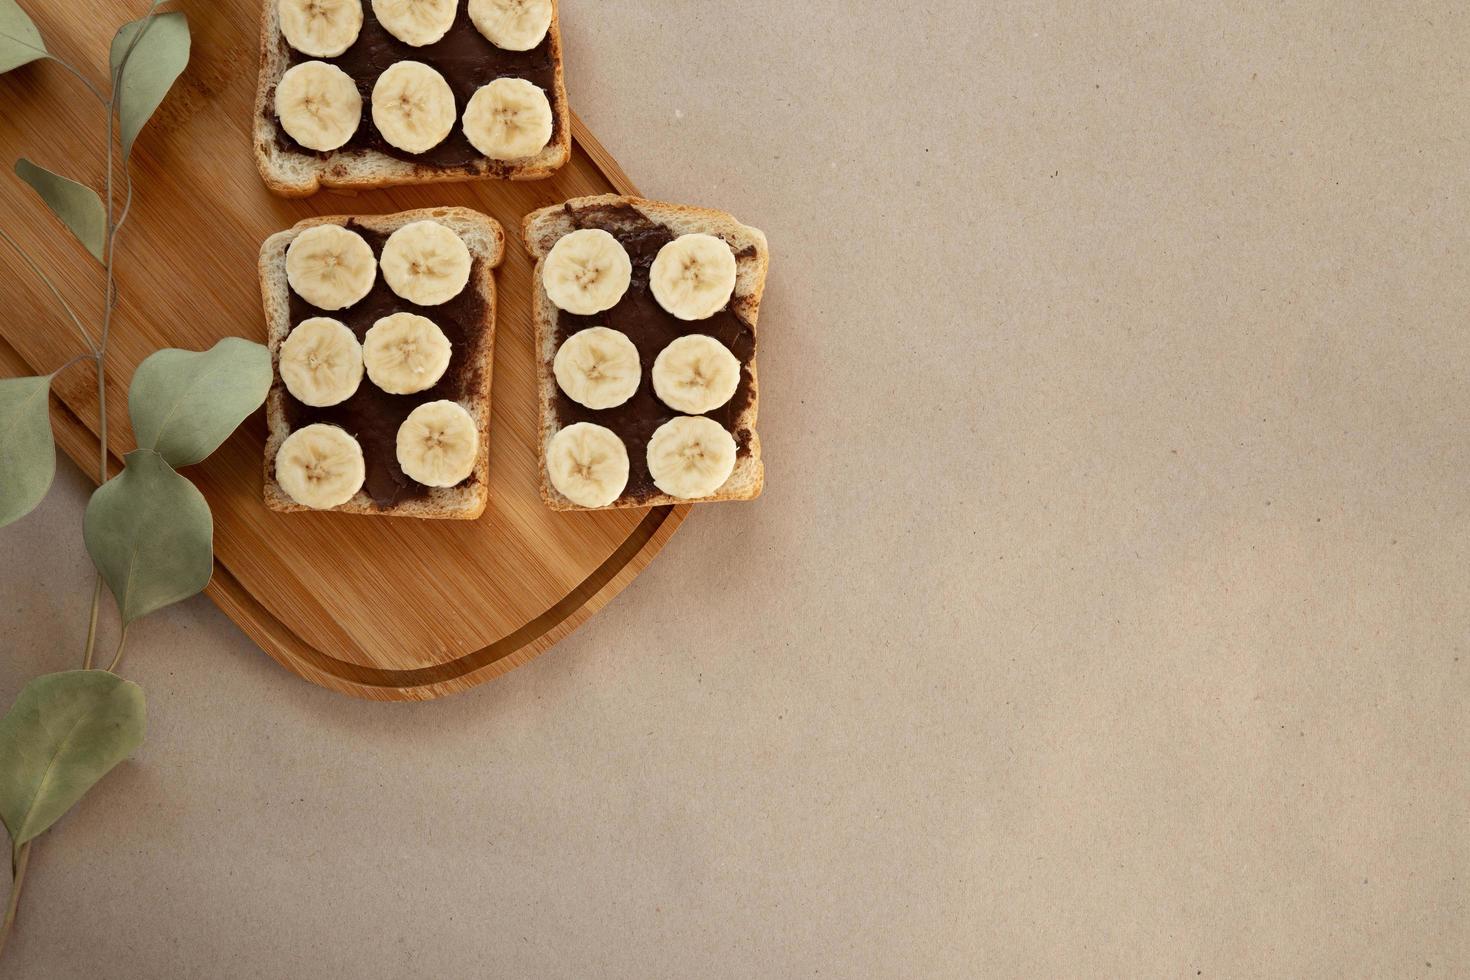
{"x": 122, "y": 642}
{"x": 96, "y": 92}
{"x": 92, "y": 623}
{"x": 72, "y": 360}
{"x": 86, "y": 335}
{"x": 127, "y": 201}
{"x": 18, "y": 877}
{"x": 110, "y": 116}
{"x": 102, "y": 413}
{"x": 60, "y": 61}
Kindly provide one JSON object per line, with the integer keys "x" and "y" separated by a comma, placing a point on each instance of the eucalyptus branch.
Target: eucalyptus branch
{"x": 109, "y": 303}
{"x": 148, "y": 530}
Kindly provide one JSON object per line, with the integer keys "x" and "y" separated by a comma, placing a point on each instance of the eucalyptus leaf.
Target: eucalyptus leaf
{"x": 64, "y": 732}
{"x": 156, "y": 60}
{"x": 20, "y": 42}
{"x": 185, "y": 403}
{"x": 27, "y": 449}
{"x": 150, "y": 534}
{"x": 77, "y": 205}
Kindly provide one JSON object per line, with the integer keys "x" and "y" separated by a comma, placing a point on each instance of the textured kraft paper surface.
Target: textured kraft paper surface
{"x": 1105, "y": 613}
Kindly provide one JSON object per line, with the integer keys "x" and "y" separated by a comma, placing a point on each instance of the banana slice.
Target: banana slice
{"x": 426, "y": 263}
{"x": 515, "y": 25}
{"x": 320, "y": 466}
{"x": 586, "y": 271}
{"x": 318, "y": 105}
{"x": 321, "y": 362}
{"x": 415, "y": 22}
{"x": 588, "y": 464}
{"x": 330, "y": 267}
{"x": 509, "y": 119}
{"x": 413, "y": 106}
{"x": 691, "y": 456}
{"x": 320, "y": 28}
{"x": 598, "y": 367}
{"x": 405, "y": 353}
{"x": 695, "y": 374}
{"x": 438, "y": 444}
{"x": 693, "y": 276}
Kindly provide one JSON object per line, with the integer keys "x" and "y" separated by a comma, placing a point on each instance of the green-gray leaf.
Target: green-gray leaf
{"x": 77, "y": 205}
{"x": 185, "y": 403}
{"x": 63, "y": 733}
{"x": 20, "y": 42}
{"x": 149, "y": 533}
{"x": 27, "y": 451}
{"x": 156, "y": 60}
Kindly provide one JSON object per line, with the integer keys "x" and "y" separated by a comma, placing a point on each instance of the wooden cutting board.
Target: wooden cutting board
{"x": 374, "y": 607}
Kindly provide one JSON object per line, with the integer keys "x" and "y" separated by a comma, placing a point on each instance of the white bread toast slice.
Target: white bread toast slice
{"x": 292, "y": 171}
{"x": 615, "y": 213}
{"x": 486, "y": 241}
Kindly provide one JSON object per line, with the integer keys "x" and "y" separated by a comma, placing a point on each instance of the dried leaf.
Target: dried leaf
{"x": 156, "y": 60}
{"x": 20, "y": 42}
{"x": 185, "y": 403}
{"x": 64, "y": 732}
{"x": 77, "y": 205}
{"x": 27, "y": 450}
{"x": 150, "y": 534}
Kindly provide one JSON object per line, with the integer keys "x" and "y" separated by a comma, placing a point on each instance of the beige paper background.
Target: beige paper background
{"x": 1105, "y": 614}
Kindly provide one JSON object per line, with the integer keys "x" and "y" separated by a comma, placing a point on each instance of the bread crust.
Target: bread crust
{"x": 292, "y": 174}
{"x": 486, "y": 241}
{"x": 540, "y": 230}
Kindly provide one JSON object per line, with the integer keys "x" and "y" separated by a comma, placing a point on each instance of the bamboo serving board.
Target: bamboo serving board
{"x": 387, "y": 609}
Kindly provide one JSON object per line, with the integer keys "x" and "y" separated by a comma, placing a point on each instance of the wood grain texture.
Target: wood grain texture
{"x": 388, "y": 610}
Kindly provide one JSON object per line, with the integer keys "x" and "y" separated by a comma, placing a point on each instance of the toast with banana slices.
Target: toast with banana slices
{"x": 372, "y": 93}
{"x": 646, "y": 319}
{"x": 382, "y": 332}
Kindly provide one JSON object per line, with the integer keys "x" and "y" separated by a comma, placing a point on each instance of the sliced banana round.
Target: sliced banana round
{"x": 405, "y": 353}
{"x": 320, "y": 466}
{"x": 693, "y": 276}
{"x": 413, "y": 106}
{"x": 515, "y": 25}
{"x": 438, "y": 444}
{"x": 330, "y": 267}
{"x": 588, "y": 464}
{"x": 415, "y": 22}
{"x": 320, "y": 28}
{"x": 598, "y": 367}
{"x": 586, "y": 271}
{"x": 426, "y": 263}
{"x": 691, "y": 456}
{"x": 509, "y": 119}
{"x": 695, "y": 374}
{"x": 318, "y": 105}
{"x": 321, "y": 362}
